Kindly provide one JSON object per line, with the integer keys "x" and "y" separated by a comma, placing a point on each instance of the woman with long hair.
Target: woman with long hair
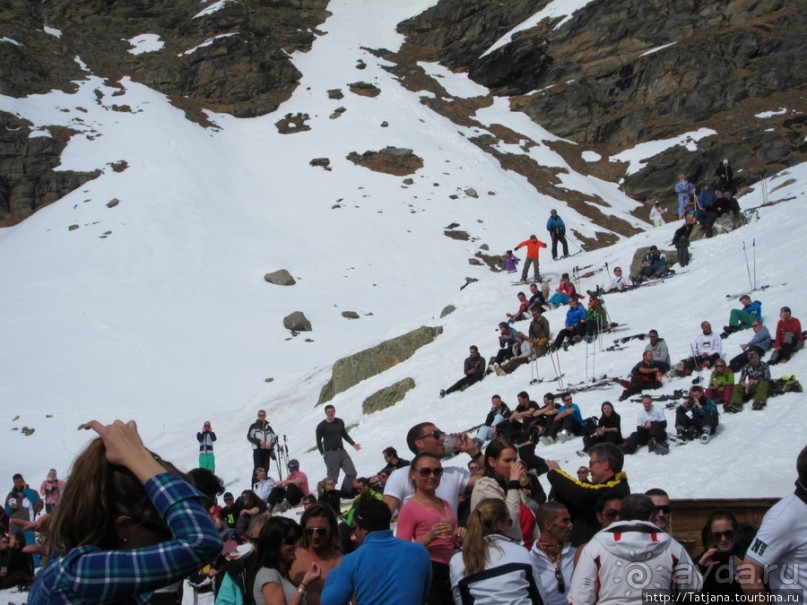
{"x": 486, "y": 547}
{"x": 609, "y": 428}
{"x": 127, "y": 524}
{"x": 718, "y": 563}
{"x": 276, "y": 551}
{"x": 502, "y": 480}
{"x": 428, "y": 520}
{"x": 320, "y": 545}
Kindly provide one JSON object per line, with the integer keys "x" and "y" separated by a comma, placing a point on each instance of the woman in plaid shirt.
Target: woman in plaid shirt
{"x": 127, "y": 524}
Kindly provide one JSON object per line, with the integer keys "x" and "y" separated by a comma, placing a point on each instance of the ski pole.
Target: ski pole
{"x": 747, "y": 267}
{"x": 754, "y": 256}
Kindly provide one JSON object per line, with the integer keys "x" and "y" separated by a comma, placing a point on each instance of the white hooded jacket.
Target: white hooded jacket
{"x": 626, "y": 558}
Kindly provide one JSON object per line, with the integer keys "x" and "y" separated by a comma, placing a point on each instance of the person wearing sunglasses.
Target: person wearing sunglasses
{"x": 663, "y": 515}
{"x": 630, "y": 555}
{"x": 501, "y": 480}
{"x": 428, "y": 520}
{"x": 718, "y": 563}
{"x": 275, "y": 552}
{"x": 607, "y": 477}
{"x": 721, "y": 384}
{"x": 552, "y": 556}
{"x": 492, "y": 568}
{"x": 760, "y": 343}
{"x": 320, "y": 545}
{"x": 426, "y": 438}
{"x": 742, "y": 319}
{"x": 607, "y": 511}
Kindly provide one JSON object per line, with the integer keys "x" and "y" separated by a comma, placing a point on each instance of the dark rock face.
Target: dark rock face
{"x": 627, "y": 71}
{"x": 233, "y": 59}
{"x": 27, "y": 177}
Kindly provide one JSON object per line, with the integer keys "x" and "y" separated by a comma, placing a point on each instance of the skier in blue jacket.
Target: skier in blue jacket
{"x": 557, "y": 230}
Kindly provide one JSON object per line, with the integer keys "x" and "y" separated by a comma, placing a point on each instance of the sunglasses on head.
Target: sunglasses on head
{"x": 426, "y": 471}
{"x": 663, "y": 509}
{"x": 320, "y": 531}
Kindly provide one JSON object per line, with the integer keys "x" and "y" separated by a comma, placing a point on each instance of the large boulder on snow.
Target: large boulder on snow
{"x": 388, "y": 396}
{"x": 351, "y": 370}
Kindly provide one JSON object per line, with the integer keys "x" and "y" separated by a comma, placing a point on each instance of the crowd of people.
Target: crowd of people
{"x": 129, "y": 525}
{"x": 485, "y": 532}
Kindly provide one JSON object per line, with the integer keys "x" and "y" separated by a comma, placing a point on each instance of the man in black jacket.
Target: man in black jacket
{"x": 263, "y": 440}
{"x": 330, "y": 433}
{"x": 607, "y": 477}
{"x": 474, "y": 369}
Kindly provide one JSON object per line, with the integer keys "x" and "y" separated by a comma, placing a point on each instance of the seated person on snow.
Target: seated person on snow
{"x": 721, "y": 384}
{"x": 518, "y": 424}
{"x": 654, "y": 264}
{"x": 707, "y": 348}
{"x": 696, "y": 417}
{"x": 651, "y": 429}
{"x": 789, "y": 337}
{"x": 596, "y": 317}
{"x": 742, "y": 319}
{"x": 507, "y": 338}
{"x": 563, "y": 294}
{"x": 538, "y": 332}
{"x": 521, "y": 313}
{"x": 567, "y": 424}
{"x": 499, "y": 412}
{"x": 661, "y": 355}
{"x": 474, "y": 369}
{"x": 754, "y": 384}
{"x": 761, "y": 343}
{"x": 537, "y": 298}
{"x": 520, "y": 354}
{"x": 645, "y": 375}
{"x": 575, "y": 325}
{"x": 725, "y": 203}
{"x": 620, "y": 281}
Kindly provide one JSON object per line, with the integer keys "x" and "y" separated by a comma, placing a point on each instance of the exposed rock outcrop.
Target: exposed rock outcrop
{"x": 351, "y": 370}
{"x": 388, "y": 396}
{"x": 28, "y": 180}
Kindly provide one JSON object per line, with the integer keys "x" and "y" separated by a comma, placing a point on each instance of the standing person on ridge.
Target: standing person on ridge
{"x": 330, "y": 433}
{"x": 557, "y": 231}
{"x": 206, "y": 437}
{"x": 534, "y": 246}
{"x": 263, "y": 440}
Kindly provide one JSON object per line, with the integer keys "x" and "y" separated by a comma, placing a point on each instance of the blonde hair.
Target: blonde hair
{"x": 486, "y": 519}
{"x": 95, "y": 494}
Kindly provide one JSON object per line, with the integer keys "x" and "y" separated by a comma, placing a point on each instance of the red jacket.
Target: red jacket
{"x": 532, "y": 247}
{"x": 792, "y": 325}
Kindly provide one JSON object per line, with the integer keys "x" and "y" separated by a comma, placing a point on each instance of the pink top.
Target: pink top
{"x": 414, "y": 520}
{"x": 303, "y": 485}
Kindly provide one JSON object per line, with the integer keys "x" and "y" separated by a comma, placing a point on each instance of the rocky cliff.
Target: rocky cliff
{"x": 614, "y": 74}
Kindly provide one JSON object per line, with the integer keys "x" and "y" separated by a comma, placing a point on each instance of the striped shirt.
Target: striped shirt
{"x": 89, "y": 575}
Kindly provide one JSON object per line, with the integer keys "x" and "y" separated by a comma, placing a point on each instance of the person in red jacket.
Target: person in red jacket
{"x": 533, "y": 245}
{"x": 789, "y": 337}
